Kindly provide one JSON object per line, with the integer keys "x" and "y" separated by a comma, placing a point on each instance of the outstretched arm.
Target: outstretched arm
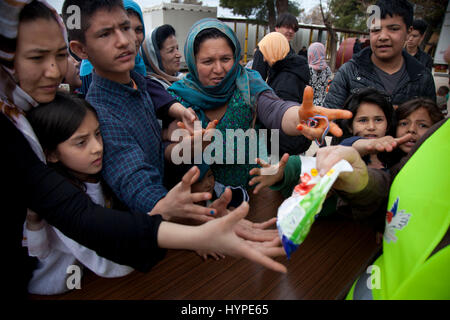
{"x": 218, "y": 235}
{"x": 295, "y": 119}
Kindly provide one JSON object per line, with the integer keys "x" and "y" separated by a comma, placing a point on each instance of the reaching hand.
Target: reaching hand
{"x": 252, "y": 231}
{"x": 245, "y": 229}
{"x": 383, "y": 144}
{"x": 350, "y": 182}
{"x": 205, "y": 254}
{"x": 220, "y": 205}
{"x": 203, "y": 135}
{"x": 268, "y": 175}
{"x": 187, "y": 119}
{"x": 220, "y": 236}
{"x": 308, "y": 110}
{"x": 179, "y": 202}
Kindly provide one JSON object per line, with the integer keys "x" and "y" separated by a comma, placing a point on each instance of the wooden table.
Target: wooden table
{"x": 325, "y": 266}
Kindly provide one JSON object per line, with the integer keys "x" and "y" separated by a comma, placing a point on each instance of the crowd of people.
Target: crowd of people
{"x": 88, "y": 120}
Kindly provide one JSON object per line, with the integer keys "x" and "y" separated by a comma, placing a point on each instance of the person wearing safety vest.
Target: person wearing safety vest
{"x": 415, "y": 262}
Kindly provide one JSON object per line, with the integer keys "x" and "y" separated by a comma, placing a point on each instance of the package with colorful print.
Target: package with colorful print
{"x": 297, "y": 213}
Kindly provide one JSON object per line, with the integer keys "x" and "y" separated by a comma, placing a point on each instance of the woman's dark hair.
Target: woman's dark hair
{"x": 287, "y": 20}
{"x": 36, "y": 10}
{"x": 56, "y": 121}
{"x": 162, "y": 33}
{"x": 368, "y": 95}
{"x": 211, "y": 33}
{"x": 406, "y": 108}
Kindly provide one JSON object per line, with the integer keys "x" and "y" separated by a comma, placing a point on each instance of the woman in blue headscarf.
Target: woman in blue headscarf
{"x": 137, "y": 25}
{"x": 218, "y": 87}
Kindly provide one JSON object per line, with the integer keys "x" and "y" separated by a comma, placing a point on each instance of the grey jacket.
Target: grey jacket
{"x": 359, "y": 73}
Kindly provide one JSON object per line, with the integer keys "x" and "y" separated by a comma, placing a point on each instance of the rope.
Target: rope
{"x": 313, "y": 122}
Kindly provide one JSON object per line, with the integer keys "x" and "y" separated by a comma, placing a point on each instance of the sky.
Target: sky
{"x": 221, "y": 12}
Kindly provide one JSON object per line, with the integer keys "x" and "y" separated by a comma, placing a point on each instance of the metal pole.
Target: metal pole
{"x": 246, "y": 42}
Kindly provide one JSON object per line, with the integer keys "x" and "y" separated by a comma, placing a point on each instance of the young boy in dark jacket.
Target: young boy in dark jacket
{"x": 384, "y": 65}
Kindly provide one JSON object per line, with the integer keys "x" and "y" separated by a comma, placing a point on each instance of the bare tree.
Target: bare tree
{"x": 314, "y": 16}
{"x": 282, "y": 6}
{"x": 328, "y": 22}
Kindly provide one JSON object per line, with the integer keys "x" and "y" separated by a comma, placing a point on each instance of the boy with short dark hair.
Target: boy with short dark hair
{"x": 127, "y": 105}
{"x": 384, "y": 65}
{"x": 415, "y": 38}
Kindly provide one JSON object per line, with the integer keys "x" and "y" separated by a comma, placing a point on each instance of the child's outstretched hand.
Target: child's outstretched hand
{"x": 188, "y": 118}
{"x": 246, "y": 229}
{"x": 220, "y": 236}
{"x": 204, "y": 135}
{"x": 383, "y": 144}
{"x": 309, "y": 110}
{"x": 268, "y": 175}
{"x": 179, "y": 202}
{"x": 205, "y": 254}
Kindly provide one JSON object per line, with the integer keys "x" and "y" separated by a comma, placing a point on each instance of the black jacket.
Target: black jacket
{"x": 424, "y": 58}
{"x": 288, "y": 78}
{"x": 359, "y": 73}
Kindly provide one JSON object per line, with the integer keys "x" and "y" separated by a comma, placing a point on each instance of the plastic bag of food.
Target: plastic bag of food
{"x": 297, "y": 213}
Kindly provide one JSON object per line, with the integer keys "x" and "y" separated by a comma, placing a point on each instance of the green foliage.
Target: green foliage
{"x": 257, "y": 8}
{"x": 349, "y": 14}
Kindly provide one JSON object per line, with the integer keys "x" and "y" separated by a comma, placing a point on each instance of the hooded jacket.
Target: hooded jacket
{"x": 289, "y": 77}
{"x": 359, "y": 73}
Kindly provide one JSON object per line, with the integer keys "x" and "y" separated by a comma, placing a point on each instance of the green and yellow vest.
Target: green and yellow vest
{"x": 418, "y": 217}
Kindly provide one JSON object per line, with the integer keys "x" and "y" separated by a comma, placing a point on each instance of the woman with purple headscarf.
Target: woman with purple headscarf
{"x": 319, "y": 71}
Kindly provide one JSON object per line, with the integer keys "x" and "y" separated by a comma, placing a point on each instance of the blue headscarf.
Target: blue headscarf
{"x": 199, "y": 97}
{"x": 139, "y": 65}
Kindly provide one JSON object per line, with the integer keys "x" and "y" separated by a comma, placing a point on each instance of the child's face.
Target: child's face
{"x": 388, "y": 41}
{"x": 82, "y": 153}
{"x": 417, "y": 123}
{"x": 110, "y": 44}
{"x": 369, "y": 121}
{"x": 41, "y": 58}
{"x": 206, "y": 185}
